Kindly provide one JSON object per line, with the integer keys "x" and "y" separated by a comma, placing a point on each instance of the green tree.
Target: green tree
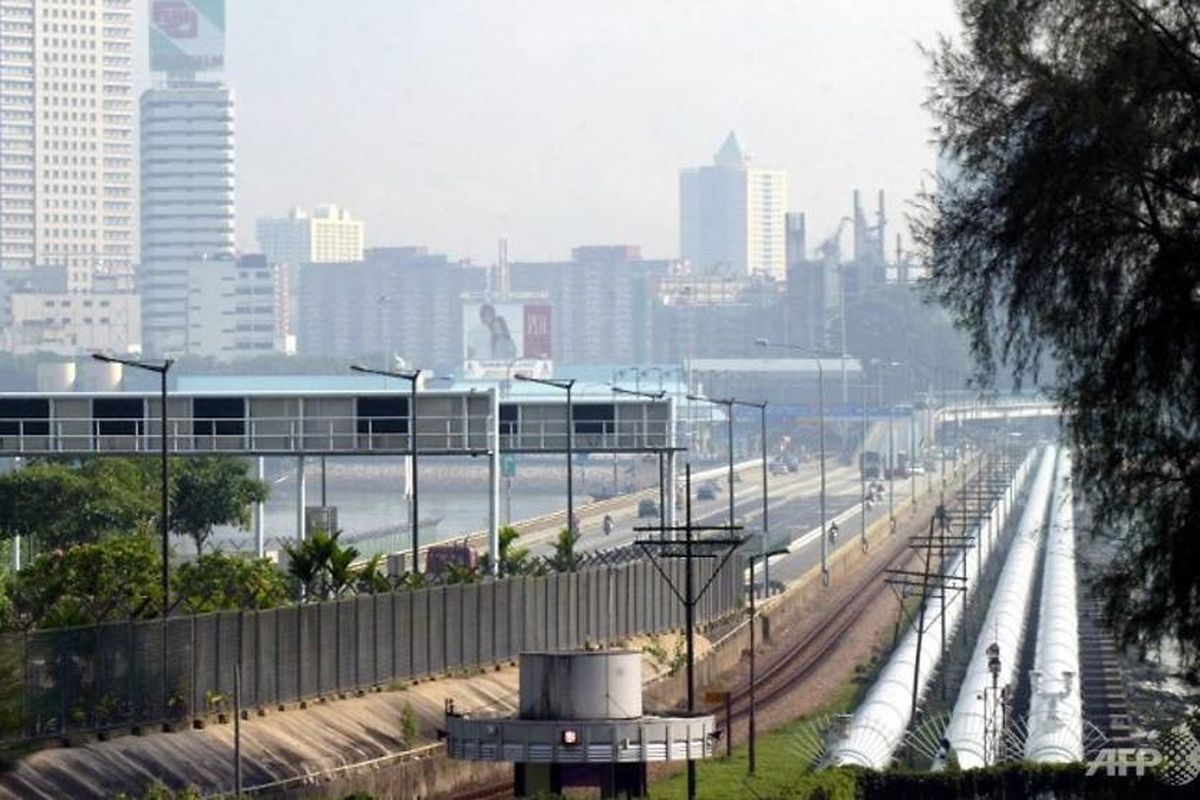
{"x": 323, "y": 568}
{"x": 116, "y": 577}
{"x": 211, "y": 491}
{"x": 565, "y": 559}
{"x": 514, "y": 560}
{"x": 59, "y": 504}
{"x": 219, "y": 582}
{"x": 1065, "y": 237}
{"x": 371, "y": 577}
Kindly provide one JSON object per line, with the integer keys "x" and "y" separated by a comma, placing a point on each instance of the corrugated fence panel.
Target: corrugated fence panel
{"x": 266, "y": 688}
{"x": 308, "y": 650}
{"x": 287, "y": 652}
{"x": 205, "y": 646}
{"x": 402, "y": 647}
{"x": 436, "y": 628}
{"x": 419, "y": 632}
{"x": 472, "y": 625}
{"x": 228, "y": 644}
{"x": 147, "y": 671}
{"x": 326, "y": 647}
{"x": 381, "y": 653}
{"x": 453, "y": 601}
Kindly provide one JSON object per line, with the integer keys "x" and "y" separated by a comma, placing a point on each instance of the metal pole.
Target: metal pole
{"x": 762, "y": 410}
{"x": 753, "y": 611}
{"x": 165, "y": 492}
{"x": 570, "y": 463}
{"x": 301, "y": 500}
{"x": 821, "y": 430}
{"x": 891, "y": 467}
{"x": 237, "y": 729}
{"x": 324, "y": 496}
{"x": 412, "y": 446}
{"x": 494, "y": 487}
{"x": 729, "y": 428}
{"x": 862, "y": 473}
{"x": 260, "y": 515}
{"x": 689, "y": 623}
{"x": 912, "y": 440}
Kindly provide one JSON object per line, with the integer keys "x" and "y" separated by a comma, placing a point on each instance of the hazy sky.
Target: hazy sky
{"x": 556, "y": 123}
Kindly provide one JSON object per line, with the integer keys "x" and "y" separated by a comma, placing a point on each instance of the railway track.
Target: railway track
{"x": 800, "y": 658}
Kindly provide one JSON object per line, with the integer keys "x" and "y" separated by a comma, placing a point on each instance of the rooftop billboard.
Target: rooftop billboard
{"x": 187, "y": 36}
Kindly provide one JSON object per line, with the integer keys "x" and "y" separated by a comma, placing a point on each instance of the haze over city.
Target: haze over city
{"x": 452, "y": 124}
{"x": 656, "y": 398}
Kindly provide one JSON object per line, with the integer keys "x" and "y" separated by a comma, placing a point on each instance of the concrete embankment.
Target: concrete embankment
{"x": 324, "y": 750}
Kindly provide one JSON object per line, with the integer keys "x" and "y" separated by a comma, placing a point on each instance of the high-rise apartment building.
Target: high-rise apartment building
{"x": 187, "y": 201}
{"x": 731, "y": 215}
{"x": 66, "y": 137}
{"x": 197, "y": 296}
{"x": 328, "y": 235}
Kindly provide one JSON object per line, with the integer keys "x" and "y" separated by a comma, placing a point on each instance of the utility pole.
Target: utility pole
{"x": 687, "y": 549}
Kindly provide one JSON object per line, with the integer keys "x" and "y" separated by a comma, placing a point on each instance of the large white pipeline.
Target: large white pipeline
{"x": 879, "y": 723}
{"x": 1055, "y": 730}
{"x": 978, "y": 696}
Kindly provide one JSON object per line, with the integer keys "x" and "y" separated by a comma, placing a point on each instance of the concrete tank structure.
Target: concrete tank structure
{"x": 99, "y": 376}
{"x": 590, "y": 685}
{"x": 56, "y": 376}
{"x": 580, "y": 722}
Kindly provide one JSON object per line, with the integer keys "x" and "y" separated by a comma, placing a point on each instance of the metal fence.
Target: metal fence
{"x": 146, "y": 672}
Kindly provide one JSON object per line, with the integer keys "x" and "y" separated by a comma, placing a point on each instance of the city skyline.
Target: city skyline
{"x": 554, "y": 127}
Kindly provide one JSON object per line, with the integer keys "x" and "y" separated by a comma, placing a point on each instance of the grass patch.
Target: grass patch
{"x": 782, "y": 769}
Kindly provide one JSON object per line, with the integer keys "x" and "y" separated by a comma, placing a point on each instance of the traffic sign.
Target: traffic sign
{"x": 508, "y": 465}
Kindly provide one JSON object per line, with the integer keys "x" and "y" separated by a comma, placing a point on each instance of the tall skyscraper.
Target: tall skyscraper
{"x": 731, "y": 215}
{"x": 328, "y": 235}
{"x": 66, "y": 137}
{"x": 193, "y": 290}
{"x": 187, "y": 201}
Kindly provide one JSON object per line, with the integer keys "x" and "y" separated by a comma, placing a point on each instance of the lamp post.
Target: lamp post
{"x": 766, "y": 556}
{"x": 729, "y": 403}
{"x": 762, "y": 412}
{"x": 161, "y": 369}
{"x": 821, "y": 437}
{"x": 412, "y": 378}
{"x": 891, "y": 468}
{"x": 565, "y": 384}
{"x": 662, "y": 491}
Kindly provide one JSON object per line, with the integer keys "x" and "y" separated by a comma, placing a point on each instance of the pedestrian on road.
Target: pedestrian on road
{"x": 608, "y": 524}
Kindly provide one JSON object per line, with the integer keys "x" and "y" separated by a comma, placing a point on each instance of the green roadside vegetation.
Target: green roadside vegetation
{"x": 783, "y": 761}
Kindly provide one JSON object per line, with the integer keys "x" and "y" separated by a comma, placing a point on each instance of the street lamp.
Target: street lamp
{"x": 891, "y": 468}
{"x": 565, "y": 384}
{"x": 662, "y": 478}
{"x": 762, "y": 412}
{"x": 161, "y": 369}
{"x": 766, "y": 557}
{"x": 821, "y": 434}
{"x": 412, "y": 378}
{"x": 728, "y": 403}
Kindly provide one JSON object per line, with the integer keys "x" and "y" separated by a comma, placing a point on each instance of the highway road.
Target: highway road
{"x": 793, "y": 511}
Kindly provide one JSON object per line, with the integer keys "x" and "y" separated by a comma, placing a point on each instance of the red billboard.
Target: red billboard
{"x": 537, "y": 332}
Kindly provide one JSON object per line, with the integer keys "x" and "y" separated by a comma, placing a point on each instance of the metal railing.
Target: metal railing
{"x": 453, "y": 435}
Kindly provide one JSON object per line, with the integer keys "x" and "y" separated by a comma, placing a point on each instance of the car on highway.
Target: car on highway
{"x": 647, "y": 508}
{"x": 706, "y": 492}
{"x": 778, "y": 468}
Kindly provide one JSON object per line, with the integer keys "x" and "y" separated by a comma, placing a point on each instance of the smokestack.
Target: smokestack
{"x": 881, "y": 221}
{"x": 860, "y": 228}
